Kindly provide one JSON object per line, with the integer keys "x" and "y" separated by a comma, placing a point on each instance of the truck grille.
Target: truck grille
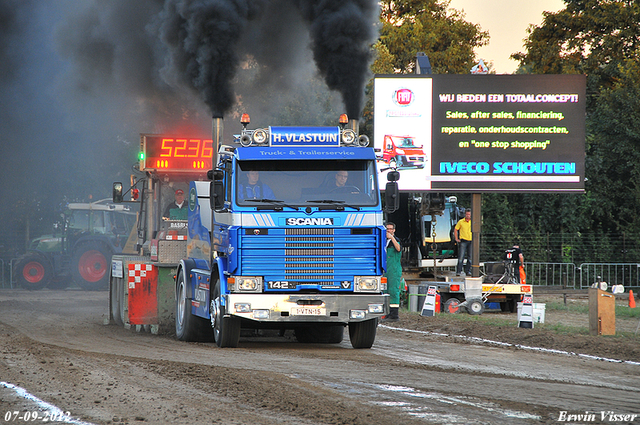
{"x": 310, "y": 257}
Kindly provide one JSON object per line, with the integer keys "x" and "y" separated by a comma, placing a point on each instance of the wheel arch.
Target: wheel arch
{"x": 95, "y": 239}
{"x": 185, "y": 266}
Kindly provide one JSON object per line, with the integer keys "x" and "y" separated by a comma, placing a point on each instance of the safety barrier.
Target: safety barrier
{"x": 551, "y": 274}
{"x": 569, "y": 275}
{"x": 627, "y": 274}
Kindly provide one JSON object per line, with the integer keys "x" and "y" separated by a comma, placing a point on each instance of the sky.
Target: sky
{"x": 507, "y": 22}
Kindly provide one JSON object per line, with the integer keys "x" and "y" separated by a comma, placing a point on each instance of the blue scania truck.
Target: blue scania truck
{"x": 288, "y": 234}
{"x": 284, "y": 231}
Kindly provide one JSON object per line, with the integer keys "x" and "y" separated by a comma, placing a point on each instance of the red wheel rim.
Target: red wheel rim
{"x": 33, "y": 272}
{"x": 453, "y": 307}
{"x": 92, "y": 265}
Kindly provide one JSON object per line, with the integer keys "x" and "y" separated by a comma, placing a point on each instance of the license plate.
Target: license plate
{"x": 308, "y": 311}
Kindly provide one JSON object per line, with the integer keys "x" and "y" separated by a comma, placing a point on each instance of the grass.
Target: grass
{"x": 501, "y": 320}
{"x": 621, "y": 311}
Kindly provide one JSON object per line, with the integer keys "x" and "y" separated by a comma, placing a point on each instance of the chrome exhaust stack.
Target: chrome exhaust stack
{"x": 216, "y": 138}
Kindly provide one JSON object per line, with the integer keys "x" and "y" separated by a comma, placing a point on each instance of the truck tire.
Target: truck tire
{"x": 116, "y": 294}
{"x": 363, "y": 334}
{"x": 475, "y": 307}
{"x": 320, "y": 334}
{"x": 34, "y": 271}
{"x": 90, "y": 266}
{"x": 188, "y": 326}
{"x": 226, "y": 330}
{"x": 452, "y": 305}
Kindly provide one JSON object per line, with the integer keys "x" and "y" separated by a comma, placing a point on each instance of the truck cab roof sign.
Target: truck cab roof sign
{"x": 305, "y": 136}
{"x": 306, "y": 153}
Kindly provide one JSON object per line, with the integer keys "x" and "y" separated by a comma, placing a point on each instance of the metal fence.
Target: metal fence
{"x": 551, "y": 274}
{"x": 627, "y": 274}
{"x": 569, "y": 275}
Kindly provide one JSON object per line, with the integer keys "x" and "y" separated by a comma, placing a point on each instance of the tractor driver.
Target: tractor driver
{"x": 177, "y": 210}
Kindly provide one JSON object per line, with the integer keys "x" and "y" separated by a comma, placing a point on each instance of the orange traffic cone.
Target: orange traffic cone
{"x": 632, "y": 301}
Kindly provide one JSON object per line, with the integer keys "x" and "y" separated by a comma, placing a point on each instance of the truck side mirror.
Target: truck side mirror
{"x": 391, "y": 197}
{"x": 117, "y": 193}
{"x": 216, "y": 195}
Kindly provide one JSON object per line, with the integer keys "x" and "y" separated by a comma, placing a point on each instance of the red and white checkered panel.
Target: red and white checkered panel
{"x": 137, "y": 272}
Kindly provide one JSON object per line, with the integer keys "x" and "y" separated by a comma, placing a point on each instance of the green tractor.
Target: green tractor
{"x": 81, "y": 251}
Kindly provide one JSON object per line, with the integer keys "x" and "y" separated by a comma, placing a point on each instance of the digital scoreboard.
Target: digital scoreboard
{"x": 175, "y": 153}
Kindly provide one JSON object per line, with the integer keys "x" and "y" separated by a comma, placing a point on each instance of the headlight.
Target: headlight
{"x": 260, "y": 136}
{"x": 367, "y": 284}
{"x": 376, "y": 308}
{"x": 248, "y": 284}
{"x": 348, "y": 137}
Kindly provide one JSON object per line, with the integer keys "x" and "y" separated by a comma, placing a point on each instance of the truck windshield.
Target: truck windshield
{"x": 405, "y": 142}
{"x": 306, "y": 183}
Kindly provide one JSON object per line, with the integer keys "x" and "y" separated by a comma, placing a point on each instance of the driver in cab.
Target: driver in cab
{"x": 340, "y": 185}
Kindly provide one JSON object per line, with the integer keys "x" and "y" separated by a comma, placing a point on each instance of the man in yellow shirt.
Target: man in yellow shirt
{"x": 462, "y": 234}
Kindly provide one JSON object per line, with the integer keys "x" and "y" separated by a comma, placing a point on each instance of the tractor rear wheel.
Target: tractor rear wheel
{"x": 34, "y": 271}
{"x": 90, "y": 265}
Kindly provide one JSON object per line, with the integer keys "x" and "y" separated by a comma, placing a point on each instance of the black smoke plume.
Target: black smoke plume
{"x": 202, "y": 40}
{"x": 342, "y": 31}
{"x": 201, "y": 37}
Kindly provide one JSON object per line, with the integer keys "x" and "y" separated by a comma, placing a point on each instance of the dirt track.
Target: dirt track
{"x": 54, "y": 345}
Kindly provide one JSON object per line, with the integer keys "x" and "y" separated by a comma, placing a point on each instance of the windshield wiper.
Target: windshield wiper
{"x": 278, "y": 204}
{"x": 338, "y": 204}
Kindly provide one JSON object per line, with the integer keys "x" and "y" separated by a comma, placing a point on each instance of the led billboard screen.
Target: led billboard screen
{"x": 482, "y": 133}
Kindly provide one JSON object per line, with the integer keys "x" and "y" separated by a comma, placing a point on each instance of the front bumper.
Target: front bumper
{"x": 307, "y": 308}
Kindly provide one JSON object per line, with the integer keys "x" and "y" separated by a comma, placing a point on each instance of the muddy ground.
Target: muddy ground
{"x": 572, "y": 337}
{"x": 55, "y": 346}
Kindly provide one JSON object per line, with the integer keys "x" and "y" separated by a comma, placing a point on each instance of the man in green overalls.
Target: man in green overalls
{"x": 393, "y": 273}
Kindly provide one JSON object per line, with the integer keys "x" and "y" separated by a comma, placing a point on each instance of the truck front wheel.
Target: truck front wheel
{"x": 226, "y": 330}
{"x": 363, "y": 334}
{"x": 188, "y": 326}
{"x": 34, "y": 271}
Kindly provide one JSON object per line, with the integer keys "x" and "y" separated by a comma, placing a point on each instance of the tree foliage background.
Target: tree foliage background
{"x": 598, "y": 38}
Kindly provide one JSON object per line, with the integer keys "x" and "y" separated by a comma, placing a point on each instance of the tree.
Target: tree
{"x": 589, "y": 37}
{"x": 429, "y": 26}
{"x": 602, "y": 40}
{"x": 613, "y": 159}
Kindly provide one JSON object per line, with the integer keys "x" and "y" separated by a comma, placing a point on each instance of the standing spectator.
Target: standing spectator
{"x": 462, "y": 234}
{"x": 520, "y": 275}
{"x": 393, "y": 273}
